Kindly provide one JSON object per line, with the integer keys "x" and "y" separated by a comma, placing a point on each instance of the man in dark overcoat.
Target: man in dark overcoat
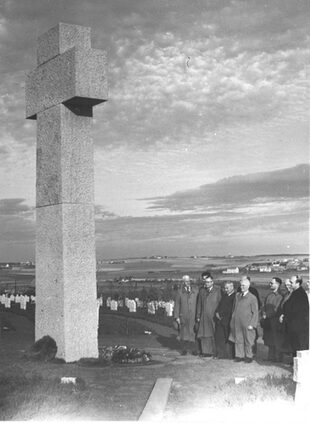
{"x": 184, "y": 315}
{"x": 296, "y": 316}
{"x": 224, "y": 347}
{"x": 243, "y": 323}
{"x": 272, "y": 335}
{"x": 208, "y": 299}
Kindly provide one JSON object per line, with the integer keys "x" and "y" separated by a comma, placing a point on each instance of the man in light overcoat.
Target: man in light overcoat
{"x": 243, "y": 323}
{"x": 184, "y": 315}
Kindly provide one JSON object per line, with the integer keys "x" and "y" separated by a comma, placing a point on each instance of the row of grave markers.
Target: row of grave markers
{"x": 113, "y": 305}
{"x": 132, "y": 305}
{"x": 6, "y": 300}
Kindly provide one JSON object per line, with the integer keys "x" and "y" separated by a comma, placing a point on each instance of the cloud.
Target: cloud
{"x": 3, "y": 151}
{"x": 239, "y": 230}
{"x": 248, "y": 63}
{"x": 275, "y": 186}
{"x": 102, "y": 214}
{"x": 245, "y": 67}
{"x": 198, "y": 91}
{"x": 14, "y": 206}
{"x": 215, "y": 90}
{"x": 202, "y": 233}
{"x": 266, "y": 205}
{"x": 17, "y": 227}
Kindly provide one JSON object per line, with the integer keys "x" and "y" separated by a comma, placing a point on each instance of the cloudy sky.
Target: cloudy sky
{"x": 202, "y": 147}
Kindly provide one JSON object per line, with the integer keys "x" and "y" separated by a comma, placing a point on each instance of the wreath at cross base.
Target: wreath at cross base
{"x": 124, "y": 354}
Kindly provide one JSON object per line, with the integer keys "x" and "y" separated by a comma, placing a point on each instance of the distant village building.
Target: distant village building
{"x": 233, "y": 270}
{"x": 253, "y": 268}
{"x": 302, "y": 268}
{"x": 278, "y": 268}
{"x": 4, "y": 266}
{"x": 264, "y": 268}
{"x": 157, "y": 257}
{"x": 117, "y": 261}
{"x": 261, "y": 267}
{"x": 294, "y": 264}
{"x": 16, "y": 267}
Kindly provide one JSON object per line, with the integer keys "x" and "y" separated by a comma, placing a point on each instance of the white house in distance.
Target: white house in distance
{"x": 261, "y": 267}
{"x": 265, "y": 268}
{"x": 230, "y": 271}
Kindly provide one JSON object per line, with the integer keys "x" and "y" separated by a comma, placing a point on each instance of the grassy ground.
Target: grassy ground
{"x": 32, "y": 390}
{"x": 243, "y": 402}
{"x": 25, "y": 397}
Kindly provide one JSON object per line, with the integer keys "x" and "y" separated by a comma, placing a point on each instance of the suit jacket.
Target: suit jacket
{"x": 224, "y": 309}
{"x": 245, "y": 313}
{"x": 253, "y": 291}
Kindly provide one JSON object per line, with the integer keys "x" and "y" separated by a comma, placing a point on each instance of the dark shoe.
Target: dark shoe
{"x": 248, "y": 360}
{"x": 207, "y": 355}
{"x": 195, "y": 353}
{"x": 238, "y": 360}
{"x": 184, "y": 352}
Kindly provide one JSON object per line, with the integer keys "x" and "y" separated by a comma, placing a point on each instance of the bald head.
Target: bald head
{"x": 186, "y": 280}
{"x": 229, "y": 287}
{"x": 244, "y": 284}
{"x": 296, "y": 282}
{"x": 246, "y": 278}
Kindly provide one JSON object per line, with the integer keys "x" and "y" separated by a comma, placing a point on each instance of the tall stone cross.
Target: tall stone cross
{"x": 60, "y": 94}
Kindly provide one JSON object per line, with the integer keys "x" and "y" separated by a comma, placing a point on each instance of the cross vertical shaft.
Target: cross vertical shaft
{"x": 60, "y": 93}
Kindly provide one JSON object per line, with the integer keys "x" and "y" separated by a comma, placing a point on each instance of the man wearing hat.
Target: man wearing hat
{"x": 184, "y": 315}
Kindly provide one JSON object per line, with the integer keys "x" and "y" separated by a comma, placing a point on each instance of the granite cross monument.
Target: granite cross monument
{"x": 69, "y": 80}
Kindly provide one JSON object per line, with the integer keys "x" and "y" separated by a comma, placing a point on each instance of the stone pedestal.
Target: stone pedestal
{"x": 60, "y": 94}
{"x": 302, "y": 379}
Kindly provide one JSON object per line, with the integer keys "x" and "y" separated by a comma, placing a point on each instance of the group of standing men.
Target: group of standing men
{"x": 224, "y": 325}
{"x": 285, "y": 319}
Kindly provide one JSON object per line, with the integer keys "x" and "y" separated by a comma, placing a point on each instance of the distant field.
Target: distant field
{"x": 10, "y": 280}
{"x": 161, "y": 269}
{"x": 175, "y": 268}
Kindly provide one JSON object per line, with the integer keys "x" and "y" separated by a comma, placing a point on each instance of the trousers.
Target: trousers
{"x": 208, "y": 345}
{"x": 244, "y": 349}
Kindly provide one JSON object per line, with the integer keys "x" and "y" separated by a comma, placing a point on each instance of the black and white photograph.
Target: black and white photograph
{"x": 154, "y": 210}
